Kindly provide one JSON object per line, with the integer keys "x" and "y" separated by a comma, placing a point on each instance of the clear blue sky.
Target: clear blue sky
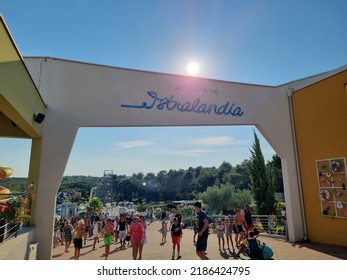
{"x": 268, "y": 42}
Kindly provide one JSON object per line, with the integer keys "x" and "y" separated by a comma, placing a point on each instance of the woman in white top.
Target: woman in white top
{"x": 96, "y": 229}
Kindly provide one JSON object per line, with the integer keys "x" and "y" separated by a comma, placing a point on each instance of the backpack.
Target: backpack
{"x": 266, "y": 251}
{"x": 253, "y": 250}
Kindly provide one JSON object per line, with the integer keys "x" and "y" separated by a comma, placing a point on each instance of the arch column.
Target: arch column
{"x": 56, "y": 146}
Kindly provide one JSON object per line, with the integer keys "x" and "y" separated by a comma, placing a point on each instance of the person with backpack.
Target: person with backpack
{"x": 251, "y": 246}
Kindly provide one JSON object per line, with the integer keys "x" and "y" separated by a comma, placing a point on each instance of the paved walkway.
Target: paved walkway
{"x": 155, "y": 250}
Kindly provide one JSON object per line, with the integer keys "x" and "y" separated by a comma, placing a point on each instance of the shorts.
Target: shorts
{"x": 122, "y": 234}
{"x": 77, "y": 243}
{"x": 201, "y": 243}
{"x": 248, "y": 227}
{"x": 220, "y": 234}
{"x": 239, "y": 229}
{"x": 107, "y": 240}
{"x": 176, "y": 239}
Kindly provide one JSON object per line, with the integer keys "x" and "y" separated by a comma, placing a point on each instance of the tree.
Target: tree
{"x": 207, "y": 177}
{"x": 188, "y": 181}
{"x": 142, "y": 207}
{"x": 95, "y": 207}
{"x": 262, "y": 183}
{"x": 225, "y": 198}
{"x": 276, "y": 165}
{"x": 239, "y": 176}
{"x": 224, "y": 169}
{"x": 139, "y": 176}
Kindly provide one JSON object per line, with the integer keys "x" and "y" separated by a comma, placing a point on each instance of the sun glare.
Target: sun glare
{"x": 193, "y": 68}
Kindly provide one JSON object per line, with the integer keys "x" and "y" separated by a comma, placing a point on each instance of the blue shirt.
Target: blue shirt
{"x": 202, "y": 216}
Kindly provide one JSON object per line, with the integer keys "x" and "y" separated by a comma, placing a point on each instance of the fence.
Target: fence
{"x": 269, "y": 224}
{"x": 13, "y": 204}
{"x": 275, "y": 225}
{"x": 7, "y": 231}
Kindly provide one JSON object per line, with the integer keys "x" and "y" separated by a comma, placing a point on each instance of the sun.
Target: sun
{"x": 193, "y": 68}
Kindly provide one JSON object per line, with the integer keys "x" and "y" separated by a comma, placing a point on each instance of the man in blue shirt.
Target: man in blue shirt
{"x": 201, "y": 244}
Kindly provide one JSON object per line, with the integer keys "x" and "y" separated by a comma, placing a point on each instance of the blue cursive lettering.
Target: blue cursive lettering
{"x": 196, "y": 106}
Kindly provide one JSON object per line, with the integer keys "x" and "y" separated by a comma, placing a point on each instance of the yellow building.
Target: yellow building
{"x": 320, "y": 116}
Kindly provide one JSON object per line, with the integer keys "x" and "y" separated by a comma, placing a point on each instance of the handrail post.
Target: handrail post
{"x": 16, "y": 230}
{"x": 2, "y": 230}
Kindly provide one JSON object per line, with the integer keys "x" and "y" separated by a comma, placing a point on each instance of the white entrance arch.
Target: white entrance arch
{"x": 87, "y": 95}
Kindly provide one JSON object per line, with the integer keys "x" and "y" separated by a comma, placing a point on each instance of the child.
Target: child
{"x": 163, "y": 230}
{"x": 176, "y": 235}
{"x": 220, "y": 233}
{"x": 228, "y": 233}
{"x": 251, "y": 246}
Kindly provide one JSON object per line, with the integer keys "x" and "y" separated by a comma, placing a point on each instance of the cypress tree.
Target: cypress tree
{"x": 262, "y": 182}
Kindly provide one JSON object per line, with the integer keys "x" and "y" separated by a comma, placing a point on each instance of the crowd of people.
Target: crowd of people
{"x": 129, "y": 230}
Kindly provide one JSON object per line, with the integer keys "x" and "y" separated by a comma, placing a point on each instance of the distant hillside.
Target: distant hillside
{"x": 82, "y": 184}
{"x": 15, "y": 183}
{"x": 165, "y": 185}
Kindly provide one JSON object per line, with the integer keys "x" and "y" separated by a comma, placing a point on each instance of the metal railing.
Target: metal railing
{"x": 273, "y": 225}
{"x": 266, "y": 224}
{"x": 8, "y": 231}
